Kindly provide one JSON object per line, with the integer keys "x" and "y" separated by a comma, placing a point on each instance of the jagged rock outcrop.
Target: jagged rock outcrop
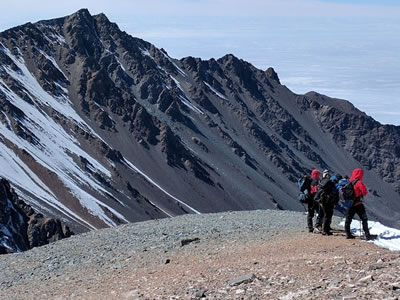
{"x": 89, "y": 114}
{"x": 21, "y": 228}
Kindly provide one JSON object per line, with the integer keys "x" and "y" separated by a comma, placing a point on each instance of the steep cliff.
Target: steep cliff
{"x": 21, "y": 228}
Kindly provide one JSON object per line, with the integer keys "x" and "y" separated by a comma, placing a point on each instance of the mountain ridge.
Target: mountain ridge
{"x": 133, "y": 134}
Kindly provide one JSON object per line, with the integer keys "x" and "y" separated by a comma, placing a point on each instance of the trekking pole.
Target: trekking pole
{"x": 305, "y": 209}
{"x": 361, "y": 231}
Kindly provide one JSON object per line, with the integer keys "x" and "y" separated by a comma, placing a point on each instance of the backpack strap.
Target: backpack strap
{"x": 356, "y": 199}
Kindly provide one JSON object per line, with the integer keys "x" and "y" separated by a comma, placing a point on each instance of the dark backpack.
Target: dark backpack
{"x": 304, "y": 185}
{"x": 326, "y": 192}
{"x": 346, "y": 193}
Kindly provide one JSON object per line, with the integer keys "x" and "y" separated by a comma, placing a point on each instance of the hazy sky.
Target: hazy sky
{"x": 343, "y": 48}
{"x": 17, "y": 11}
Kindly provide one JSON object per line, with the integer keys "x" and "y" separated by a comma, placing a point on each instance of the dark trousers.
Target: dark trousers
{"x": 313, "y": 208}
{"x": 360, "y": 211}
{"x": 327, "y": 217}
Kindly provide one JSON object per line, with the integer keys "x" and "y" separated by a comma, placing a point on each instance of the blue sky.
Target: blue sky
{"x": 342, "y": 48}
{"x": 367, "y": 2}
{"x": 21, "y": 11}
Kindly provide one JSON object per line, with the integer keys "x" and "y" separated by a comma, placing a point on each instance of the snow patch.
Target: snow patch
{"x": 215, "y": 91}
{"x": 52, "y": 60}
{"x": 190, "y": 105}
{"x": 146, "y": 52}
{"x": 54, "y": 148}
{"x": 175, "y": 65}
{"x": 137, "y": 170}
{"x": 388, "y": 238}
{"x": 65, "y": 91}
{"x": 23, "y": 179}
{"x": 122, "y": 67}
{"x": 185, "y": 100}
{"x": 177, "y": 83}
{"x": 52, "y": 33}
{"x": 59, "y": 38}
{"x": 7, "y": 119}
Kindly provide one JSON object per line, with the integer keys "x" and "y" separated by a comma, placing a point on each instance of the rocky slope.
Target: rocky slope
{"x": 100, "y": 128}
{"x": 21, "y": 228}
{"x": 242, "y": 255}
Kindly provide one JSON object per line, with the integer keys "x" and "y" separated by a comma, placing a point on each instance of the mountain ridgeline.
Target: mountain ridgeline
{"x": 100, "y": 128}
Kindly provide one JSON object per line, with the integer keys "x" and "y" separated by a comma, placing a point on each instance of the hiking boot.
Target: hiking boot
{"x": 316, "y": 230}
{"x": 350, "y": 237}
{"x": 326, "y": 233}
{"x": 310, "y": 229}
{"x": 371, "y": 237}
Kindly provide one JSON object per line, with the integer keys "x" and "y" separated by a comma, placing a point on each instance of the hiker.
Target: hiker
{"x": 360, "y": 191}
{"x": 313, "y": 207}
{"x": 327, "y": 197}
{"x": 342, "y": 204}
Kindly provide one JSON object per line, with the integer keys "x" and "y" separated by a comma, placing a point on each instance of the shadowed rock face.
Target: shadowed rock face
{"x": 21, "y": 228}
{"x": 101, "y": 128}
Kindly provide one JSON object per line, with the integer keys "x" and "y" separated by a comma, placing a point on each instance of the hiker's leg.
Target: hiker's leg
{"x": 328, "y": 213}
{"x": 363, "y": 217}
{"x": 320, "y": 217}
{"x": 349, "y": 217}
{"x": 310, "y": 216}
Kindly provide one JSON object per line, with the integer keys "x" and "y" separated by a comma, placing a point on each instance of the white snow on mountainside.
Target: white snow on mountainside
{"x": 52, "y": 141}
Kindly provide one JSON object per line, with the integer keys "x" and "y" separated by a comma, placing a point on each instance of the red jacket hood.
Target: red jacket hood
{"x": 316, "y": 174}
{"x": 359, "y": 188}
{"x": 357, "y": 174}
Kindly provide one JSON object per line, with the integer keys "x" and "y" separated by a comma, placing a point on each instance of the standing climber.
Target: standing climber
{"x": 312, "y": 206}
{"x": 360, "y": 191}
{"x": 327, "y": 197}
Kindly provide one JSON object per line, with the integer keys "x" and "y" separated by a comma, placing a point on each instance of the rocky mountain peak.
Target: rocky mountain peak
{"x": 102, "y": 19}
{"x": 82, "y": 15}
{"x": 272, "y": 74}
{"x": 113, "y": 130}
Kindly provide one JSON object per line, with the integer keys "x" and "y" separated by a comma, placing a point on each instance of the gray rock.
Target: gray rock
{"x": 242, "y": 279}
{"x": 366, "y": 278}
{"x": 376, "y": 267}
{"x": 335, "y": 282}
{"x": 395, "y": 286}
{"x": 350, "y": 296}
{"x": 201, "y": 293}
{"x": 189, "y": 241}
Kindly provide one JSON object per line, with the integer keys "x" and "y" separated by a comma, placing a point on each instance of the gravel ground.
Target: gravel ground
{"x": 236, "y": 255}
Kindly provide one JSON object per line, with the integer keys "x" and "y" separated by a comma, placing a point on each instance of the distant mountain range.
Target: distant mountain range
{"x": 100, "y": 128}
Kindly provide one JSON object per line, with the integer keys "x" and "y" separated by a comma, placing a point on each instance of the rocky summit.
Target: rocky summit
{"x": 99, "y": 128}
{"x": 256, "y": 255}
